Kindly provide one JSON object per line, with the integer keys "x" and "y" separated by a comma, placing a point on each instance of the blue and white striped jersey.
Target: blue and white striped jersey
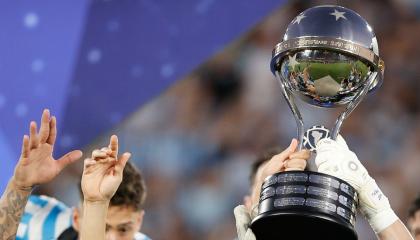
{"x": 46, "y": 218}
{"x": 141, "y": 236}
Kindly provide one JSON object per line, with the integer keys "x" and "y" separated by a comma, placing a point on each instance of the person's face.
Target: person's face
{"x": 248, "y": 198}
{"x": 122, "y": 223}
{"x": 414, "y": 225}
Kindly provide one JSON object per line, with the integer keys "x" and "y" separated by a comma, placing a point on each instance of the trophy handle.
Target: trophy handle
{"x": 352, "y": 105}
{"x": 292, "y": 105}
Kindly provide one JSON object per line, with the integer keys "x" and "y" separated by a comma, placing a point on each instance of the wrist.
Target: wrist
{"x": 382, "y": 220}
{"x": 93, "y": 221}
{"x": 92, "y": 202}
{"x": 375, "y": 207}
{"x": 19, "y": 186}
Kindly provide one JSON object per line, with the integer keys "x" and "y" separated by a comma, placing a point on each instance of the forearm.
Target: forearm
{"x": 94, "y": 215}
{"x": 12, "y": 206}
{"x": 396, "y": 231}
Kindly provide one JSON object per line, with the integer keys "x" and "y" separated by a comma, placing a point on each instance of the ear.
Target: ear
{"x": 76, "y": 219}
{"x": 139, "y": 220}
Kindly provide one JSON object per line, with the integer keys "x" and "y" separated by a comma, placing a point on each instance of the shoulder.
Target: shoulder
{"x": 38, "y": 202}
{"x": 141, "y": 236}
{"x": 44, "y": 218}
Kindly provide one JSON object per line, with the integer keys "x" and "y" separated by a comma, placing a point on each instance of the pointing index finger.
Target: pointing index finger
{"x": 113, "y": 145}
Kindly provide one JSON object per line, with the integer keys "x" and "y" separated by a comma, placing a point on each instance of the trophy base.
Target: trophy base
{"x": 305, "y": 205}
{"x": 300, "y": 226}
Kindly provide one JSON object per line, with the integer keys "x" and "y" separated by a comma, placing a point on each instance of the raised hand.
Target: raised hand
{"x": 288, "y": 160}
{"x": 336, "y": 159}
{"x": 36, "y": 164}
{"x": 103, "y": 172}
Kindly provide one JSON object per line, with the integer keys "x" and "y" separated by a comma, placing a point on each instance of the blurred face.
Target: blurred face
{"x": 414, "y": 224}
{"x": 247, "y": 198}
{"x": 122, "y": 223}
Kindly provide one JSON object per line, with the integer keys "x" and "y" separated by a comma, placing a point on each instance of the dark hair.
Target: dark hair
{"x": 261, "y": 159}
{"x": 132, "y": 190}
{"x": 415, "y": 206}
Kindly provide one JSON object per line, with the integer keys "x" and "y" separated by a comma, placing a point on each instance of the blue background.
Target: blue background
{"x": 94, "y": 62}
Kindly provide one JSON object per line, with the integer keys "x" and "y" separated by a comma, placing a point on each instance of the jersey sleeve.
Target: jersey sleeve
{"x": 141, "y": 236}
{"x": 44, "y": 218}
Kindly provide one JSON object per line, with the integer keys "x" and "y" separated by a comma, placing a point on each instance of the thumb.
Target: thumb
{"x": 122, "y": 161}
{"x": 286, "y": 153}
{"x": 276, "y": 163}
{"x": 69, "y": 158}
{"x": 342, "y": 142}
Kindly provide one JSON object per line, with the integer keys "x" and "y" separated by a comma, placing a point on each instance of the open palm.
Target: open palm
{"x": 36, "y": 164}
{"x": 102, "y": 173}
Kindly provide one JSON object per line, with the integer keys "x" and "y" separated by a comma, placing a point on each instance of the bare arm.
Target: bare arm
{"x": 102, "y": 175}
{"x": 12, "y": 204}
{"x": 94, "y": 215}
{"x": 396, "y": 231}
{"x": 35, "y": 166}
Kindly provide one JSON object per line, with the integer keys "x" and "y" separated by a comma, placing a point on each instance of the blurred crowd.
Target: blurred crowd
{"x": 195, "y": 143}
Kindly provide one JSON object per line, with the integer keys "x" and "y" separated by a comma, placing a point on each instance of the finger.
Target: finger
{"x": 105, "y": 160}
{"x": 113, "y": 145}
{"x": 296, "y": 164}
{"x": 276, "y": 163}
{"x": 33, "y": 138}
{"x": 69, "y": 158}
{"x": 328, "y": 145}
{"x": 88, "y": 162}
{"x": 44, "y": 130}
{"x": 122, "y": 161}
{"x": 110, "y": 172}
{"x": 293, "y": 145}
{"x": 53, "y": 131}
{"x": 107, "y": 150}
{"x": 303, "y": 154}
{"x": 98, "y": 154}
{"x": 340, "y": 140}
{"x": 25, "y": 146}
{"x": 287, "y": 152}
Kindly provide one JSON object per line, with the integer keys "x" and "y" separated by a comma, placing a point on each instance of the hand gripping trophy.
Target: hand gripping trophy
{"x": 328, "y": 58}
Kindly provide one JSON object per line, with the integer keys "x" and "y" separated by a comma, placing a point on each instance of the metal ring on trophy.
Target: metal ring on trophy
{"x": 311, "y": 197}
{"x": 345, "y": 46}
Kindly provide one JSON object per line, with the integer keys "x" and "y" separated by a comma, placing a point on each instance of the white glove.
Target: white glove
{"x": 243, "y": 219}
{"x": 334, "y": 158}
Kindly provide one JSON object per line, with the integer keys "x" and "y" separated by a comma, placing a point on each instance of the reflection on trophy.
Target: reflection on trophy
{"x": 328, "y": 58}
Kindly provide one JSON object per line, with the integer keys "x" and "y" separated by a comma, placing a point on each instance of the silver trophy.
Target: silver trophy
{"x": 328, "y": 58}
